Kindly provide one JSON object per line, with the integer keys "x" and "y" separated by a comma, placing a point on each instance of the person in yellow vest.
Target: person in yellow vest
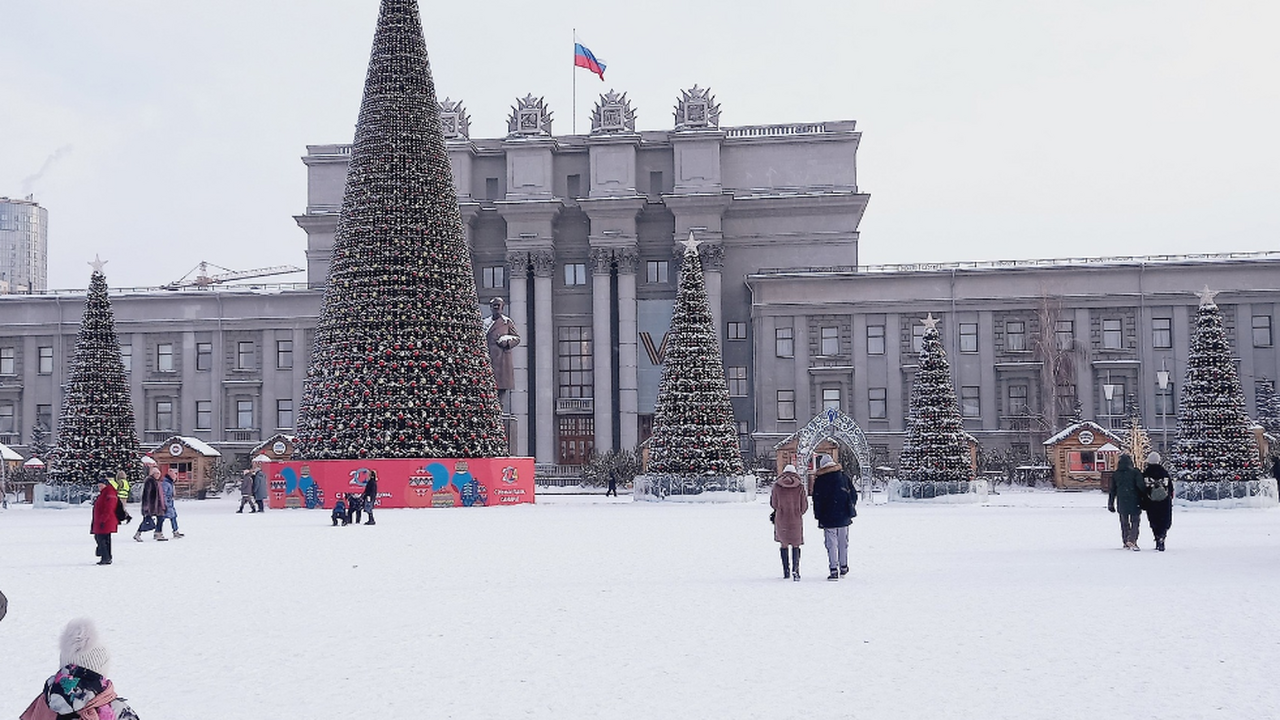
{"x": 121, "y": 484}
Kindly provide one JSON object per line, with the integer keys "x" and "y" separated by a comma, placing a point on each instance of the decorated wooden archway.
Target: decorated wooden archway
{"x": 833, "y": 424}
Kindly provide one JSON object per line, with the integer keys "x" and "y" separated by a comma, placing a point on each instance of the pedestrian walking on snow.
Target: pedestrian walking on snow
{"x": 613, "y": 484}
{"x": 259, "y": 485}
{"x": 108, "y": 513}
{"x": 170, "y": 508}
{"x": 246, "y": 491}
{"x": 370, "y": 495}
{"x": 80, "y": 690}
{"x": 1127, "y": 492}
{"x": 835, "y": 504}
{"x": 153, "y": 509}
{"x": 1158, "y": 494}
{"x": 789, "y": 502}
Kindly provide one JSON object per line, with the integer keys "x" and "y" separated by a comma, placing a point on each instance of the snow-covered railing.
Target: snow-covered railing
{"x": 944, "y": 491}
{"x": 1226, "y": 493}
{"x": 1031, "y": 263}
{"x": 775, "y": 130}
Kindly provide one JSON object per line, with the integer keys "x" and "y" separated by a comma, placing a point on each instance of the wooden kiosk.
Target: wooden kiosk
{"x": 278, "y": 447}
{"x": 191, "y": 458}
{"x": 1081, "y": 458}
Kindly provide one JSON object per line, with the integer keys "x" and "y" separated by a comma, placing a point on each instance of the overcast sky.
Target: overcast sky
{"x": 161, "y": 133}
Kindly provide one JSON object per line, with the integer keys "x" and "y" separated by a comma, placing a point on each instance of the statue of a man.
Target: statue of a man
{"x": 501, "y": 336}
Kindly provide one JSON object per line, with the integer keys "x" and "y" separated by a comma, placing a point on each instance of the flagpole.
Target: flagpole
{"x": 574, "y": 69}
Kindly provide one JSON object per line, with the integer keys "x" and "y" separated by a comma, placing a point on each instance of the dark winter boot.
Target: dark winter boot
{"x": 1160, "y": 544}
{"x": 786, "y": 563}
{"x": 835, "y": 574}
{"x": 795, "y": 564}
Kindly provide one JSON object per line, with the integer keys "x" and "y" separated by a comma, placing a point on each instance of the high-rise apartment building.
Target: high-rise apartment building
{"x": 24, "y": 240}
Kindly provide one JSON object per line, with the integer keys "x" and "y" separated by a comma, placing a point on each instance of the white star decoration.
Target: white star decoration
{"x": 691, "y": 243}
{"x": 931, "y": 322}
{"x": 97, "y": 263}
{"x": 1206, "y": 296}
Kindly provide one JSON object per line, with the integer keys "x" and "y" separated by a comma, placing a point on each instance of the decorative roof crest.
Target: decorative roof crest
{"x": 454, "y": 120}
{"x": 697, "y": 108}
{"x": 613, "y": 114}
{"x": 529, "y": 117}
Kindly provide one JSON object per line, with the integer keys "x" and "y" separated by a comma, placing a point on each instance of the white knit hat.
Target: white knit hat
{"x": 827, "y": 461}
{"x": 80, "y": 645}
{"x": 1153, "y": 458}
{"x": 790, "y": 469}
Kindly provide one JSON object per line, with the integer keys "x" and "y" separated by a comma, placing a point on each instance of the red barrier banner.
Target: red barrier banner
{"x": 460, "y": 482}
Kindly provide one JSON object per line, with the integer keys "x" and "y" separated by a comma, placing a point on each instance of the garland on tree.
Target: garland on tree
{"x": 96, "y": 431}
{"x": 399, "y": 368}
{"x": 694, "y": 433}
{"x": 1214, "y": 441}
{"x": 936, "y": 447}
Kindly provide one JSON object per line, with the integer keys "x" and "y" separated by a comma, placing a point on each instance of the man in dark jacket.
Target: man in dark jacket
{"x": 834, "y": 505}
{"x": 1127, "y": 490}
{"x": 259, "y": 484}
{"x": 246, "y": 491}
{"x": 370, "y": 495}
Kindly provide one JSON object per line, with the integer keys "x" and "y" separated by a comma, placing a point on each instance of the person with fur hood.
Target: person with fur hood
{"x": 789, "y": 502}
{"x": 80, "y": 689}
{"x": 153, "y": 509}
{"x": 835, "y": 505}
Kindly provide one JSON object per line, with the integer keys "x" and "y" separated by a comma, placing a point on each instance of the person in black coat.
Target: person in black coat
{"x": 1127, "y": 494}
{"x": 1158, "y": 494}
{"x": 370, "y": 495}
{"x": 834, "y": 505}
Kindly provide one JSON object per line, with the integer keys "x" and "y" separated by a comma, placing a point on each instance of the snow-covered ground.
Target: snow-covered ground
{"x": 592, "y": 607}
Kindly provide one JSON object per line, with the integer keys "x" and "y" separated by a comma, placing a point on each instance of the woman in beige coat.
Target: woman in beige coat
{"x": 789, "y": 502}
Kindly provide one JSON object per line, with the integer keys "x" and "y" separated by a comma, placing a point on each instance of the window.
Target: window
{"x": 572, "y": 185}
{"x": 204, "y": 414}
{"x": 1262, "y": 331}
{"x": 968, "y": 337}
{"x": 875, "y": 339}
{"x": 831, "y": 399}
{"x": 244, "y": 355}
{"x": 658, "y": 271}
{"x": 244, "y": 414}
{"x": 830, "y": 341}
{"x": 204, "y": 356}
{"x": 1017, "y": 399}
{"x": 284, "y": 414}
{"x": 1164, "y": 401}
{"x": 783, "y": 343}
{"x": 1015, "y": 336}
{"x": 126, "y": 357}
{"x": 917, "y": 338}
{"x": 284, "y": 356}
{"x": 494, "y": 276}
{"x": 576, "y": 378}
{"x": 786, "y": 404}
{"x": 736, "y": 331}
{"x": 164, "y": 357}
{"x": 577, "y": 438}
{"x": 1114, "y": 406}
{"x": 164, "y": 414}
{"x": 1112, "y": 335}
{"x": 655, "y": 183}
{"x": 877, "y": 403}
{"x": 45, "y": 366}
{"x": 7, "y": 422}
{"x": 491, "y": 188}
{"x": 1064, "y": 334}
{"x": 737, "y": 377}
{"x": 1161, "y": 332}
{"x": 969, "y": 405}
{"x": 1064, "y": 397}
{"x": 575, "y": 273}
{"x": 7, "y": 361}
{"x": 44, "y": 416}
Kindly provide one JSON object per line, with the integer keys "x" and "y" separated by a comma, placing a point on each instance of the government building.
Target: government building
{"x": 579, "y": 235}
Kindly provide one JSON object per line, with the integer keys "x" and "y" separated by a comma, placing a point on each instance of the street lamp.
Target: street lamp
{"x": 1162, "y": 377}
{"x": 1109, "y": 392}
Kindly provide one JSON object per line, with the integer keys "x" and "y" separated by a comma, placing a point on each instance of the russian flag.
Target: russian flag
{"x": 583, "y": 58}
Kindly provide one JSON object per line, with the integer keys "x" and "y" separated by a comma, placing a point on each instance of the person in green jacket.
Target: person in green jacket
{"x": 1127, "y": 489}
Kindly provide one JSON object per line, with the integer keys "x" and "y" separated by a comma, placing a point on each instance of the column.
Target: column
{"x": 518, "y": 310}
{"x": 602, "y": 347}
{"x": 544, "y": 264}
{"x": 628, "y": 348}
{"x": 712, "y": 271}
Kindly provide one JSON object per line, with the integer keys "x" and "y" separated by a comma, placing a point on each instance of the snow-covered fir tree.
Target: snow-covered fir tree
{"x": 936, "y": 446}
{"x": 399, "y": 368}
{"x": 96, "y": 431}
{"x": 694, "y": 433}
{"x": 39, "y": 445}
{"x": 1214, "y": 441}
{"x": 1268, "y": 406}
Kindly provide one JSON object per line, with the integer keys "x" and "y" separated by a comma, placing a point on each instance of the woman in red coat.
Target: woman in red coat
{"x": 789, "y": 502}
{"x": 108, "y": 512}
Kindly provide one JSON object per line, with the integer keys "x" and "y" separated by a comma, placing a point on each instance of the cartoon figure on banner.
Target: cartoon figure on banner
{"x": 470, "y": 492}
{"x": 313, "y": 497}
{"x": 443, "y": 492}
{"x": 419, "y": 494}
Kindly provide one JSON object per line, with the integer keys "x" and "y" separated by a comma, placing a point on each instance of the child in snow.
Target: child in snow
{"x": 354, "y": 506}
{"x": 80, "y": 688}
{"x": 340, "y": 511}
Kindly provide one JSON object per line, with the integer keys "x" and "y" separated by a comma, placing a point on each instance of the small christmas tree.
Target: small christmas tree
{"x": 936, "y": 447}
{"x": 96, "y": 431}
{"x": 39, "y": 445}
{"x": 1268, "y": 406}
{"x": 693, "y": 428}
{"x": 1214, "y": 442}
{"x": 399, "y": 368}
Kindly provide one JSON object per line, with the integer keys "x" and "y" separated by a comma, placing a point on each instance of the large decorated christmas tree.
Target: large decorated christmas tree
{"x": 96, "y": 431}
{"x": 936, "y": 447}
{"x": 1214, "y": 441}
{"x": 694, "y": 433}
{"x": 399, "y": 368}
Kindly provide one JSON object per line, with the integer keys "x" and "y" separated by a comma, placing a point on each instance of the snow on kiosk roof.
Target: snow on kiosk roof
{"x": 1083, "y": 425}
{"x": 196, "y": 444}
{"x": 9, "y": 454}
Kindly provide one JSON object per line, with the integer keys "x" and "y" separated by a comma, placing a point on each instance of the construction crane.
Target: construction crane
{"x": 203, "y": 279}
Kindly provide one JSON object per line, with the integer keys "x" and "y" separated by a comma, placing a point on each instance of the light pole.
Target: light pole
{"x": 1162, "y": 377}
{"x": 1109, "y": 392}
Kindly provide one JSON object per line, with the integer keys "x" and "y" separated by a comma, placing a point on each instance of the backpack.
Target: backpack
{"x": 1158, "y": 492}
